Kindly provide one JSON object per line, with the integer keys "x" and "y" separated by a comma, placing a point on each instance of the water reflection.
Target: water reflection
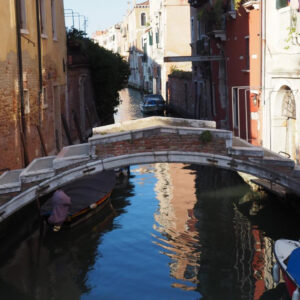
{"x": 130, "y": 106}
{"x": 213, "y": 247}
{"x": 176, "y": 223}
{"x": 176, "y": 232}
{"x": 56, "y": 266}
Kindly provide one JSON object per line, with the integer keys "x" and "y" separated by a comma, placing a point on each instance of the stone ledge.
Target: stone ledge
{"x": 153, "y": 121}
{"x": 270, "y": 161}
{"x": 74, "y": 150}
{"x": 72, "y": 155}
{"x": 246, "y": 151}
{"x": 17, "y": 203}
{"x": 155, "y": 130}
{"x": 296, "y": 171}
{"x": 10, "y": 181}
{"x": 39, "y": 169}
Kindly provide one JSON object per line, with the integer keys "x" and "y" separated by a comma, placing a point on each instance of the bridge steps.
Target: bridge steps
{"x": 72, "y": 155}
{"x": 43, "y": 168}
{"x": 259, "y": 155}
{"x": 10, "y": 181}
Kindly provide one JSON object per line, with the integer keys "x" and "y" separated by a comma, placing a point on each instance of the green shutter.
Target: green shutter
{"x": 150, "y": 38}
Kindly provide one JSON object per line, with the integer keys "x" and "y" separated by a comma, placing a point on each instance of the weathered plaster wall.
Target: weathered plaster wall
{"x": 38, "y": 112}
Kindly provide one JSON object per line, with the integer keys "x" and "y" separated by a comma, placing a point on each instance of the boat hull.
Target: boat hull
{"x": 87, "y": 195}
{"x": 282, "y": 250}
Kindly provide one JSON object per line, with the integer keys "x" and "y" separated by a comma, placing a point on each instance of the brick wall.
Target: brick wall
{"x": 11, "y": 156}
{"x": 80, "y": 77}
{"x": 163, "y": 142}
{"x": 180, "y": 96}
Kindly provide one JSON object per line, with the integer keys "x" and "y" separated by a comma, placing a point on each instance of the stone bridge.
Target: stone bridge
{"x": 149, "y": 140}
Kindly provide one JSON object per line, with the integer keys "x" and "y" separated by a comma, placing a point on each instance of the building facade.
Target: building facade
{"x": 226, "y": 69}
{"x": 33, "y": 80}
{"x": 171, "y": 37}
{"x": 281, "y": 98}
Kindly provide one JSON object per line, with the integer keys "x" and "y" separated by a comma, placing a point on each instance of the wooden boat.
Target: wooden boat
{"x": 78, "y": 200}
{"x": 287, "y": 254}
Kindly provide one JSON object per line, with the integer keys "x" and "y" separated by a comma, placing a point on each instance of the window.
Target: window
{"x": 198, "y": 30}
{"x": 235, "y": 112}
{"x": 192, "y": 29}
{"x": 43, "y": 18}
{"x": 282, "y": 3}
{"x": 150, "y": 38}
{"x": 143, "y": 19}
{"x": 53, "y": 15}
{"x": 22, "y": 15}
{"x": 213, "y": 99}
{"x": 247, "y": 54}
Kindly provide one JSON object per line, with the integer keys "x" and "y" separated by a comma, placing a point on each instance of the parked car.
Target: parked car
{"x": 153, "y": 104}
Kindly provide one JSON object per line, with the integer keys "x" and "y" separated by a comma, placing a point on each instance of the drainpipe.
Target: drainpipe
{"x": 263, "y": 68}
{"x": 20, "y": 75}
{"x": 39, "y": 57}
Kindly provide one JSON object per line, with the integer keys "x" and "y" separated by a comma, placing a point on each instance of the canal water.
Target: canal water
{"x": 176, "y": 231}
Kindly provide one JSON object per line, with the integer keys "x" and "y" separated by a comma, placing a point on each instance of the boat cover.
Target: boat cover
{"x": 60, "y": 207}
{"x": 293, "y": 266}
{"x": 86, "y": 191}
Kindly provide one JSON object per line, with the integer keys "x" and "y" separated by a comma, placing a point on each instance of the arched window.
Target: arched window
{"x": 143, "y": 19}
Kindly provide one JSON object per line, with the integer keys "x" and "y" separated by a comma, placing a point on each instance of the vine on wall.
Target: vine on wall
{"x": 291, "y": 29}
{"x": 237, "y": 4}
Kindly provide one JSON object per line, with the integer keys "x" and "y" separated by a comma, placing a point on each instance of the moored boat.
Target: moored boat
{"x": 287, "y": 254}
{"x": 78, "y": 200}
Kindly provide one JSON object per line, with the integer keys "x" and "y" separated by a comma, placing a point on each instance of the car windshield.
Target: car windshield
{"x": 151, "y": 102}
{"x": 154, "y": 101}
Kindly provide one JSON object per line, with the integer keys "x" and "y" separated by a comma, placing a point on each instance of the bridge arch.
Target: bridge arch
{"x": 204, "y": 159}
{"x": 118, "y": 146}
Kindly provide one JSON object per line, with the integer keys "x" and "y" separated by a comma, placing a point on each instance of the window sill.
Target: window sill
{"x": 44, "y": 106}
{"x": 283, "y": 9}
{"x": 245, "y": 71}
{"x": 44, "y": 36}
{"x": 55, "y": 39}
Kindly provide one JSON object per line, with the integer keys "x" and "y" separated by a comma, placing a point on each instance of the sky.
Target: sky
{"x": 100, "y": 14}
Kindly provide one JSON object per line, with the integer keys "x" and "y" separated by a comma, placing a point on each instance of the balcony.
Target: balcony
{"x": 197, "y": 3}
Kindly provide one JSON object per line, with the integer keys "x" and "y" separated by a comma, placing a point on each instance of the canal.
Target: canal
{"x": 176, "y": 231}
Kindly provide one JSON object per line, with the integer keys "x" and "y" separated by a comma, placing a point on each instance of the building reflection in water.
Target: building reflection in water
{"x": 213, "y": 247}
{"x": 175, "y": 190}
{"x": 214, "y": 233}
